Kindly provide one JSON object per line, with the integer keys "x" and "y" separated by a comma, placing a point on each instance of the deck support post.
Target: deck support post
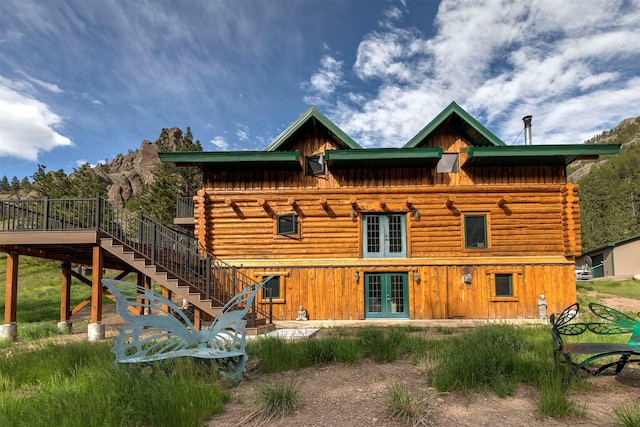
{"x": 166, "y": 293}
{"x": 9, "y": 330}
{"x": 65, "y": 298}
{"x": 141, "y": 283}
{"x": 96, "y": 327}
{"x": 197, "y": 318}
{"x": 147, "y": 285}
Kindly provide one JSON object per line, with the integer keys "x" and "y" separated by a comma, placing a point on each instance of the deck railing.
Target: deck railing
{"x": 175, "y": 252}
{"x": 184, "y": 207}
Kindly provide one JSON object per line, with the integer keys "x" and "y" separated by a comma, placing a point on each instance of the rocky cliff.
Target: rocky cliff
{"x": 127, "y": 174}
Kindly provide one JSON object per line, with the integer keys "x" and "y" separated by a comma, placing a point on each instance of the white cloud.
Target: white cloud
{"x": 51, "y": 87}
{"x": 325, "y": 81}
{"x": 500, "y": 60}
{"x": 220, "y": 143}
{"x": 242, "y": 132}
{"x": 28, "y": 126}
{"x": 91, "y": 99}
{"x": 396, "y": 54}
{"x": 393, "y": 13}
{"x": 82, "y": 162}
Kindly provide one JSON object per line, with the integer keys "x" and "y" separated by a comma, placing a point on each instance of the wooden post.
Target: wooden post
{"x": 65, "y": 292}
{"x": 167, "y": 294}
{"x": 96, "y": 285}
{"x": 11, "y": 299}
{"x": 197, "y": 318}
{"x": 140, "y": 282}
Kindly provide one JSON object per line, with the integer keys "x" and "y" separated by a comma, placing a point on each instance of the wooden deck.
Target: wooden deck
{"x": 71, "y": 246}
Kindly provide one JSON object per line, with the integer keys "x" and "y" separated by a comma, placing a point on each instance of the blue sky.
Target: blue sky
{"x": 82, "y": 81}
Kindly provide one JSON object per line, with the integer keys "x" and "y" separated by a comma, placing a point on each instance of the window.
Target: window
{"x": 504, "y": 285}
{"x": 448, "y": 163}
{"x": 475, "y": 231}
{"x": 287, "y": 224}
{"x": 384, "y": 236}
{"x": 273, "y": 288}
{"x": 315, "y": 165}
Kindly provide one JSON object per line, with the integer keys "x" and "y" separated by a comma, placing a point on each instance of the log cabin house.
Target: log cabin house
{"x": 455, "y": 224}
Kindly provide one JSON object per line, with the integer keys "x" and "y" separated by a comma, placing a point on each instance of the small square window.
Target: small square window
{"x": 271, "y": 289}
{"x": 504, "y": 285}
{"x": 287, "y": 224}
{"x": 315, "y": 165}
{"x": 448, "y": 163}
{"x": 475, "y": 231}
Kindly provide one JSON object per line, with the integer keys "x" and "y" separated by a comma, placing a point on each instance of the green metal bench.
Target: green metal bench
{"x": 166, "y": 332}
{"x": 614, "y": 322}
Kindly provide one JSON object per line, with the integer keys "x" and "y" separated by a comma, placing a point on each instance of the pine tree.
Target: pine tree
{"x": 54, "y": 185}
{"x": 14, "y": 187}
{"x": 4, "y": 184}
{"x": 158, "y": 199}
{"x": 84, "y": 183}
{"x": 610, "y": 199}
{"x": 25, "y": 185}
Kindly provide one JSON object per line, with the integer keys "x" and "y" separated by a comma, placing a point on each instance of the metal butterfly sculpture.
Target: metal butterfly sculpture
{"x": 166, "y": 332}
{"x": 617, "y": 322}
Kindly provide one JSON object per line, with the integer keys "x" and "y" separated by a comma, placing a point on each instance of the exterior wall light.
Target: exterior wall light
{"x": 356, "y": 276}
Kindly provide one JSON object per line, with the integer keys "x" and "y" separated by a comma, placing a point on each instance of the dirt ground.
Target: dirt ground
{"x": 357, "y": 396}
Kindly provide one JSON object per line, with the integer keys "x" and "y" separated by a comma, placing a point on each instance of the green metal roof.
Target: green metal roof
{"x": 312, "y": 115}
{"x": 383, "y": 157}
{"x": 535, "y": 155}
{"x": 235, "y": 160}
{"x": 612, "y": 244}
{"x": 461, "y": 120}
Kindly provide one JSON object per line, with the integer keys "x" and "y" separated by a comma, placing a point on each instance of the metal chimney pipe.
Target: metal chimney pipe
{"x": 527, "y": 129}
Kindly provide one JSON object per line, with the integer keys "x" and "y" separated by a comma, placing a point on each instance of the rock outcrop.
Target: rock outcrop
{"x": 127, "y": 174}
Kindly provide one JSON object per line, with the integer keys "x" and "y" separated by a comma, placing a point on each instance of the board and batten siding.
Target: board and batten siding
{"x": 331, "y": 292}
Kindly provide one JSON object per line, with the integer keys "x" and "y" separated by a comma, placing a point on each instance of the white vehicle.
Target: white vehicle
{"x": 583, "y": 273}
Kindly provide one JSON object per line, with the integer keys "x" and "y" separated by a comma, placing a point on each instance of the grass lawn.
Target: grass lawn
{"x": 43, "y": 382}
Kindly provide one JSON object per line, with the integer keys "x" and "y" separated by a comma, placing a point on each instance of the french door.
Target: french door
{"x": 386, "y": 295}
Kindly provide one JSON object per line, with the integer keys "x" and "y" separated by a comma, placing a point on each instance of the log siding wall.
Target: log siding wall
{"x": 533, "y": 221}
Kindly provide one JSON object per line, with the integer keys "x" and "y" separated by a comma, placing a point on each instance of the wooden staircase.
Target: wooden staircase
{"x": 177, "y": 286}
{"x": 180, "y": 288}
{"x": 172, "y": 259}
